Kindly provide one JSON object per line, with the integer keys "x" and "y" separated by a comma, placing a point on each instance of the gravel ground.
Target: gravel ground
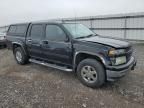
{"x": 35, "y": 86}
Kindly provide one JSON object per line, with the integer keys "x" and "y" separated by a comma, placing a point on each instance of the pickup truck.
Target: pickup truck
{"x": 71, "y": 47}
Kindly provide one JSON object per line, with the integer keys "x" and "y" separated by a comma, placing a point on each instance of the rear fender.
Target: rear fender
{"x": 19, "y": 44}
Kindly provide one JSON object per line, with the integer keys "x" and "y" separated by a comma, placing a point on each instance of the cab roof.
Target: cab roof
{"x": 49, "y": 21}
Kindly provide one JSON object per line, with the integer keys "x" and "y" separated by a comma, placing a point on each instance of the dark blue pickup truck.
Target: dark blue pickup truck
{"x": 71, "y": 47}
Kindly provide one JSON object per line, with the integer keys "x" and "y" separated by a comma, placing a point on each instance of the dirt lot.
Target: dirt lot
{"x": 35, "y": 86}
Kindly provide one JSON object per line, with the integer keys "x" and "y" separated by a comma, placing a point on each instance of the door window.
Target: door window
{"x": 36, "y": 32}
{"x": 55, "y": 33}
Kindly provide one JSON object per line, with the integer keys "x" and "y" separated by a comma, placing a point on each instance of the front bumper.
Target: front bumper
{"x": 115, "y": 72}
{"x": 2, "y": 42}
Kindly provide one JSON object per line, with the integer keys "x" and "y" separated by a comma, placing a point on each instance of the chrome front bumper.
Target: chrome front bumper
{"x": 115, "y": 72}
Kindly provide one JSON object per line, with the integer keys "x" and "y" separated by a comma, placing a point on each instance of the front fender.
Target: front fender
{"x": 89, "y": 53}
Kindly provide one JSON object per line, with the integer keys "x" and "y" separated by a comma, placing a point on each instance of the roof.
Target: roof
{"x": 44, "y": 21}
{"x": 48, "y": 21}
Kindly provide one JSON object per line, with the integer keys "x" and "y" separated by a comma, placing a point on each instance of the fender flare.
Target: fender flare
{"x": 20, "y": 44}
{"x": 89, "y": 53}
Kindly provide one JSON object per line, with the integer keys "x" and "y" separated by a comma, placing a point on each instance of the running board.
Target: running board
{"x": 50, "y": 65}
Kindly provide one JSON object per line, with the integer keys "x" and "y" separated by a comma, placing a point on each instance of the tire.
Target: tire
{"x": 91, "y": 73}
{"x": 20, "y": 56}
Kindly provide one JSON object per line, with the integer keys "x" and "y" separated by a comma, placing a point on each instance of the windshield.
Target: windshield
{"x": 78, "y": 30}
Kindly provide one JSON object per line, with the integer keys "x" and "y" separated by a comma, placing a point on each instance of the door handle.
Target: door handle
{"x": 29, "y": 40}
{"x": 44, "y": 42}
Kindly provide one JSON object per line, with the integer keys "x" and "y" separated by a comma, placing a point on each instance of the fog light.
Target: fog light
{"x": 120, "y": 60}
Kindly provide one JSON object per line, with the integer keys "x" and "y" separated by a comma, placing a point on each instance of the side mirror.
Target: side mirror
{"x": 66, "y": 39}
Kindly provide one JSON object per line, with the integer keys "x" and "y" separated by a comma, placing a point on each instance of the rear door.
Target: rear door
{"x": 33, "y": 40}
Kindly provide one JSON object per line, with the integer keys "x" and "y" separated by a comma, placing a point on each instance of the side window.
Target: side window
{"x": 21, "y": 29}
{"x": 12, "y": 29}
{"x": 18, "y": 29}
{"x": 55, "y": 33}
{"x": 36, "y": 31}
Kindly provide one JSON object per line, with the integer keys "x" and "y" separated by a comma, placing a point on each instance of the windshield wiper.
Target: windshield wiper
{"x": 90, "y": 35}
{"x": 80, "y": 37}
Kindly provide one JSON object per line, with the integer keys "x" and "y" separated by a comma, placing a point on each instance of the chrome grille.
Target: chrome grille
{"x": 129, "y": 51}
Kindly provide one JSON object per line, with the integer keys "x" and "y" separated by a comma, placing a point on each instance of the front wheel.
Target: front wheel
{"x": 91, "y": 73}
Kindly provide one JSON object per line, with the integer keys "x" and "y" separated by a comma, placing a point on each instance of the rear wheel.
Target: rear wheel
{"x": 20, "y": 56}
{"x": 91, "y": 73}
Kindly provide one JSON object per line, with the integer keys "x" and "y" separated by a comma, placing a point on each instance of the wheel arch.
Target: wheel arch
{"x": 18, "y": 44}
{"x": 78, "y": 56}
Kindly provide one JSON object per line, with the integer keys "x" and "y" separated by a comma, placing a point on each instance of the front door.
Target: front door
{"x": 34, "y": 40}
{"x": 56, "y": 46}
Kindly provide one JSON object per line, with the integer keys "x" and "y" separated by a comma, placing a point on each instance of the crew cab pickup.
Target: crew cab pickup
{"x": 71, "y": 47}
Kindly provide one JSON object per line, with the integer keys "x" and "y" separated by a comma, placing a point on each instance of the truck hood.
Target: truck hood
{"x": 107, "y": 41}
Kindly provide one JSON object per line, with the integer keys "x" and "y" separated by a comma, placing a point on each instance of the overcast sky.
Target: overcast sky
{"x": 15, "y": 11}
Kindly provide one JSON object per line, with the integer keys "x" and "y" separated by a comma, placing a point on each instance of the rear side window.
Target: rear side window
{"x": 21, "y": 29}
{"x": 17, "y": 29}
{"x": 12, "y": 29}
{"x": 36, "y": 31}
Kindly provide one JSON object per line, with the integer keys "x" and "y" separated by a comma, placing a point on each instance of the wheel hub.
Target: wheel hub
{"x": 18, "y": 56}
{"x": 89, "y": 74}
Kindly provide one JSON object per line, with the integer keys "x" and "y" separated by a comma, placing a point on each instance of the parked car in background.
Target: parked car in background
{"x": 2, "y": 40}
{"x": 71, "y": 47}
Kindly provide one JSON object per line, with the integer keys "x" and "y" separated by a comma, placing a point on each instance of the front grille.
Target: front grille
{"x": 129, "y": 51}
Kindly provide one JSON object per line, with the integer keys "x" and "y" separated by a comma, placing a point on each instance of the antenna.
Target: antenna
{"x": 75, "y": 19}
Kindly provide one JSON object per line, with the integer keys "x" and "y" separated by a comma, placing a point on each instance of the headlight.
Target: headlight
{"x": 118, "y": 60}
{"x": 2, "y": 37}
{"x": 113, "y": 52}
